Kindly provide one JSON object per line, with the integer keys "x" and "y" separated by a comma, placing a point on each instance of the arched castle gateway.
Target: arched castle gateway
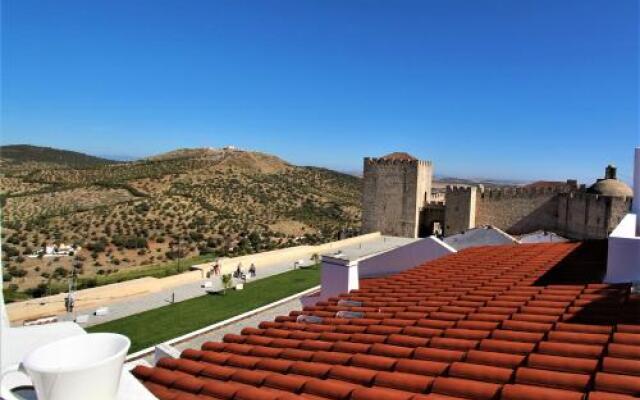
{"x": 397, "y": 200}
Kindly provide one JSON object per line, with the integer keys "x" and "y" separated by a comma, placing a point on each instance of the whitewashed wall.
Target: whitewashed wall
{"x": 623, "y": 260}
{"x": 403, "y": 258}
{"x": 636, "y": 189}
{"x": 338, "y": 276}
{"x": 341, "y": 276}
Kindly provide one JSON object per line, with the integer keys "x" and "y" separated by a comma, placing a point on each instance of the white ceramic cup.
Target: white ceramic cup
{"x": 77, "y": 368}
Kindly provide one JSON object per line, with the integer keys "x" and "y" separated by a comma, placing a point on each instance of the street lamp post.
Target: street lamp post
{"x": 178, "y": 245}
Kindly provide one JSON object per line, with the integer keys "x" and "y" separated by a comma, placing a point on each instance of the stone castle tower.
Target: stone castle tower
{"x": 396, "y": 187}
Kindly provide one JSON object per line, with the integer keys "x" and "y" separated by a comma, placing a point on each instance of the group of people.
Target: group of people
{"x": 238, "y": 273}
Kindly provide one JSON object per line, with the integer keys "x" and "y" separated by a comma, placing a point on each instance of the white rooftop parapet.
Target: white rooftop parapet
{"x": 623, "y": 259}
{"x": 636, "y": 189}
{"x": 403, "y": 258}
{"x": 164, "y": 350}
{"x": 338, "y": 275}
{"x": 341, "y": 275}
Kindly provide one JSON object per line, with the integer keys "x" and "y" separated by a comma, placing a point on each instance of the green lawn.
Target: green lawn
{"x": 161, "y": 324}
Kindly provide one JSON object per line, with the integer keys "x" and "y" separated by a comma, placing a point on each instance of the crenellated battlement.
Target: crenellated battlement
{"x": 584, "y": 196}
{"x": 507, "y": 192}
{"x": 519, "y": 192}
{"x": 374, "y": 161}
{"x": 458, "y": 189}
{"x": 592, "y": 196}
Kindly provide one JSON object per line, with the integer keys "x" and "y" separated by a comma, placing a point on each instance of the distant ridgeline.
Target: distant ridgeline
{"x": 395, "y": 187}
{"x": 23, "y": 153}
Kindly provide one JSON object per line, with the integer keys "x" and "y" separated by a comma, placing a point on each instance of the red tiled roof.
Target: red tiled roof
{"x": 399, "y": 156}
{"x": 485, "y": 323}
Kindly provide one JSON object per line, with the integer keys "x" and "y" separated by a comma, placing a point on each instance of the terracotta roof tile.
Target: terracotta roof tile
{"x": 399, "y": 156}
{"x": 465, "y": 388}
{"x": 495, "y": 359}
{"x": 564, "y": 364}
{"x": 291, "y": 383}
{"x": 609, "y": 396}
{"x": 332, "y": 357}
{"x": 317, "y": 370}
{"x": 621, "y": 366}
{"x": 329, "y": 388}
{"x": 361, "y": 376}
{"x": 218, "y": 372}
{"x": 506, "y": 346}
{"x": 570, "y": 349}
{"x": 404, "y": 381}
{"x": 444, "y": 355}
{"x": 554, "y": 379}
{"x": 481, "y": 373}
{"x": 517, "y": 336}
{"x": 527, "y": 392}
{"x": 617, "y": 383}
{"x": 374, "y": 362}
{"x": 380, "y": 394}
{"x": 422, "y": 367}
{"x": 623, "y": 351}
{"x": 516, "y": 322}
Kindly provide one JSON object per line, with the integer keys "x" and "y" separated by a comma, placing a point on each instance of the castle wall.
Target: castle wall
{"x": 460, "y": 212}
{"x": 397, "y": 201}
{"x": 518, "y": 210}
{"x": 589, "y": 216}
{"x": 620, "y": 206}
{"x": 394, "y": 191}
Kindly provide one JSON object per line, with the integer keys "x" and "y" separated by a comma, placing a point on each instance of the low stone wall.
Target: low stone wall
{"x": 89, "y": 299}
{"x": 290, "y": 254}
{"x": 85, "y": 299}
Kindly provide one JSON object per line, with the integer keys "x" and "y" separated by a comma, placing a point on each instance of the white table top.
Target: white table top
{"x": 18, "y": 342}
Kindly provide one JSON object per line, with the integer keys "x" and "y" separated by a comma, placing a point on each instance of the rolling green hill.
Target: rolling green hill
{"x": 146, "y": 213}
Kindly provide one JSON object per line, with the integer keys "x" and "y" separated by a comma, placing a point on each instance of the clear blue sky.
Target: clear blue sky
{"x": 504, "y": 89}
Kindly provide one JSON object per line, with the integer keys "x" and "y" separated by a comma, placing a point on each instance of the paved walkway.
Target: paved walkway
{"x": 124, "y": 308}
{"x": 135, "y": 305}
